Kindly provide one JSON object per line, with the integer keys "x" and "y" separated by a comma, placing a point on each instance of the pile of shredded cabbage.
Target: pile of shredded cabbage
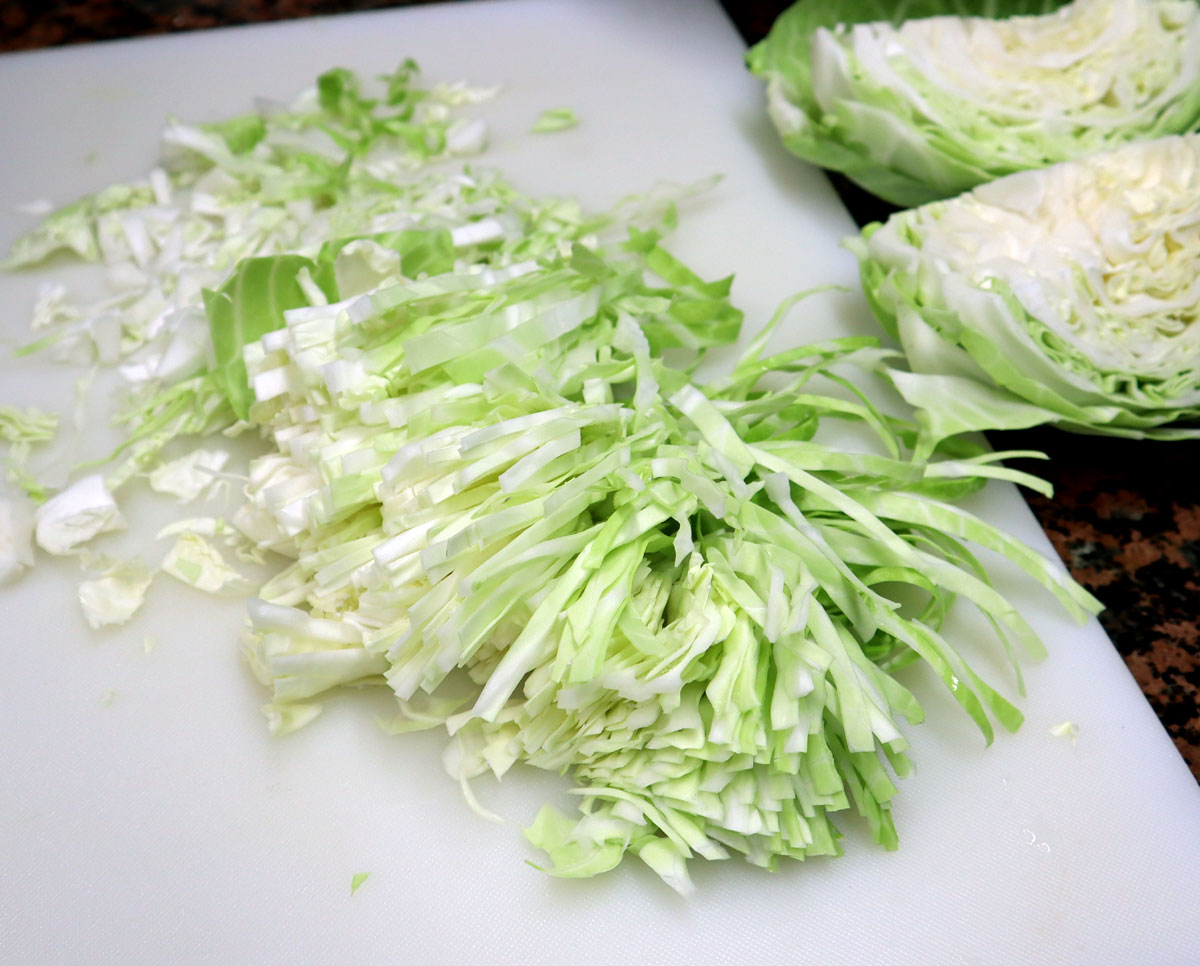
{"x": 944, "y": 100}
{"x": 491, "y": 494}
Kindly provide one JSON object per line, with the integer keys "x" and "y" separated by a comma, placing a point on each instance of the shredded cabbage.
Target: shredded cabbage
{"x": 1068, "y": 295}
{"x": 498, "y": 500}
{"x": 671, "y": 592}
{"x": 946, "y": 98}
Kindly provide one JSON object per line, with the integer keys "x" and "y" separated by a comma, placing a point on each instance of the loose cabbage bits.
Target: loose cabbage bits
{"x": 506, "y": 507}
{"x": 1066, "y": 296}
{"x": 944, "y": 101}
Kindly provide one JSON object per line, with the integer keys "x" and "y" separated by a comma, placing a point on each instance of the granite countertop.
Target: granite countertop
{"x": 1125, "y": 516}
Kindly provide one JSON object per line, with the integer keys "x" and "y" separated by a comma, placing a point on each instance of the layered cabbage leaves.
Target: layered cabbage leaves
{"x": 924, "y": 100}
{"x": 1065, "y": 296}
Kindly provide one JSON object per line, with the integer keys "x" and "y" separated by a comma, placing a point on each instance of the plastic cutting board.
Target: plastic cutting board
{"x": 165, "y": 825}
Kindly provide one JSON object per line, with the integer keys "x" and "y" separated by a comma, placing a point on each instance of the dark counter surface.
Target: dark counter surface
{"x": 1125, "y": 516}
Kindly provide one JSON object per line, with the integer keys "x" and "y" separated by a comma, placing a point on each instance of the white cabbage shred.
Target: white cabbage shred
{"x": 190, "y": 476}
{"x": 16, "y": 539}
{"x": 116, "y": 593}
{"x": 71, "y": 518}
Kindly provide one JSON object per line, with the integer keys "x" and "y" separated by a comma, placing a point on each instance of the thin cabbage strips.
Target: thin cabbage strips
{"x": 575, "y": 558}
{"x": 1068, "y": 296}
{"x": 951, "y": 98}
{"x": 493, "y": 496}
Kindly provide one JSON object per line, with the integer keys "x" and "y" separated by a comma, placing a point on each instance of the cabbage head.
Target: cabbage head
{"x": 927, "y": 107}
{"x": 1067, "y": 295}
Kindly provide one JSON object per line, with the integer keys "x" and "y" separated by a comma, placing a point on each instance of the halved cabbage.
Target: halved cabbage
{"x": 938, "y": 104}
{"x": 1068, "y": 295}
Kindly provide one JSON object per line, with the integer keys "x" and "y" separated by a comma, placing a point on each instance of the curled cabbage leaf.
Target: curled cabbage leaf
{"x": 1067, "y": 295}
{"x": 931, "y": 107}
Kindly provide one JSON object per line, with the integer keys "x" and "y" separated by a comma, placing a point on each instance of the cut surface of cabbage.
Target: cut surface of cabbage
{"x": 1068, "y": 295}
{"x": 934, "y": 105}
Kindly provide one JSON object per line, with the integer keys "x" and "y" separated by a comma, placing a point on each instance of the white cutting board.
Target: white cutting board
{"x": 167, "y": 826}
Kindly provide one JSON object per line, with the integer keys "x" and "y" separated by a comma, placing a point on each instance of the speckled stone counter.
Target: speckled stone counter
{"x": 1125, "y": 516}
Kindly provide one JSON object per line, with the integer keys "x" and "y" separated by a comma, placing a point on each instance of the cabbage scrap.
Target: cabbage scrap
{"x": 69, "y": 519}
{"x": 29, "y": 425}
{"x": 243, "y": 219}
{"x": 22, "y": 429}
{"x": 116, "y": 593}
{"x": 195, "y": 561}
{"x": 190, "y": 476}
{"x": 16, "y": 539}
{"x": 1066, "y": 296}
{"x": 928, "y": 106}
{"x": 555, "y": 119}
{"x": 346, "y": 158}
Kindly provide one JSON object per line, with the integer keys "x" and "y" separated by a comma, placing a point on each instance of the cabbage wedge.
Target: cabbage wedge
{"x": 950, "y": 98}
{"x": 1065, "y": 296}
